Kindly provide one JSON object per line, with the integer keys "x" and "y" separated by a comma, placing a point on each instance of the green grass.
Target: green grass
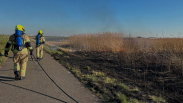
{"x": 3, "y": 40}
{"x": 126, "y": 87}
{"x": 158, "y": 99}
{"x": 88, "y": 67}
{"x": 122, "y": 97}
{"x": 100, "y": 74}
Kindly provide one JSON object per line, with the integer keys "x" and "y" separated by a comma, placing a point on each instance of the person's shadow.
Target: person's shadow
{"x": 3, "y": 78}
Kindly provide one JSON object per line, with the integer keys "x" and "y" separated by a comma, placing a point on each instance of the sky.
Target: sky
{"x": 145, "y": 18}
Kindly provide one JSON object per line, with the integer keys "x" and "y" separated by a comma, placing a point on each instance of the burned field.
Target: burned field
{"x": 143, "y": 70}
{"x": 148, "y": 80}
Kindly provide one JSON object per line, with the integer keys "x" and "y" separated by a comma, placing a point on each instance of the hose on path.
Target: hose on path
{"x": 55, "y": 82}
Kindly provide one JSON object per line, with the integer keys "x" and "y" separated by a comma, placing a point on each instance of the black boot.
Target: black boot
{"x": 40, "y": 59}
{"x": 17, "y": 75}
{"x": 21, "y": 78}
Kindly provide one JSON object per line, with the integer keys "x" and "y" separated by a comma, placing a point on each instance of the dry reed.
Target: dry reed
{"x": 163, "y": 54}
{"x": 106, "y": 41}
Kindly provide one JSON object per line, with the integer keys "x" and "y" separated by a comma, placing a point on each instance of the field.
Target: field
{"x": 125, "y": 69}
{"x": 3, "y": 41}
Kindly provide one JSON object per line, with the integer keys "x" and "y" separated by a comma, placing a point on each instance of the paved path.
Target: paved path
{"x": 38, "y": 88}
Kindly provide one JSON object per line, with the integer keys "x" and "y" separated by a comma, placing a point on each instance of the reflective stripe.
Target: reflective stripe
{"x": 23, "y": 50}
{"x": 30, "y": 48}
{"x": 22, "y": 71}
{"x": 9, "y": 42}
{"x": 27, "y": 40}
{"x": 15, "y": 67}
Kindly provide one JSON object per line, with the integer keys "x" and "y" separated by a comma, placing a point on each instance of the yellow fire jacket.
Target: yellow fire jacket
{"x": 25, "y": 41}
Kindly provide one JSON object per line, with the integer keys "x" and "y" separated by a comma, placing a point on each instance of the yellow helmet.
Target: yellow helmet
{"x": 19, "y": 27}
{"x": 40, "y": 32}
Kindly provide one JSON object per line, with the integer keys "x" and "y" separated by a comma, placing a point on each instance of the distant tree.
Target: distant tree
{"x": 139, "y": 37}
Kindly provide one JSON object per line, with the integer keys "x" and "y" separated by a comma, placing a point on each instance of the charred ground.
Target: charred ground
{"x": 148, "y": 79}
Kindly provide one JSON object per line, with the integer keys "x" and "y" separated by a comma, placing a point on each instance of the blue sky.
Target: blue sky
{"x": 67, "y": 17}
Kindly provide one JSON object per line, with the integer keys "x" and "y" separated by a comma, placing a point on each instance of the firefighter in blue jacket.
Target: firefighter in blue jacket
{"x": 39, "y": 47}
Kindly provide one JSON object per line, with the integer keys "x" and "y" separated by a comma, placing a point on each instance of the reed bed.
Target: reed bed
{"x": 150, "y": 63}
{"x": 162, "y": 54}
{"x": 106, "y": 41}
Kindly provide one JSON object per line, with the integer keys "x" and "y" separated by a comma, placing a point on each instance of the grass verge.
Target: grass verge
{"x": 3, "y": 41}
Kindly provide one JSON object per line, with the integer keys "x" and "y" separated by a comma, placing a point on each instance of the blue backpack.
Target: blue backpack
{"x": 18, "y": 39}
{"x": 38, "y": 40}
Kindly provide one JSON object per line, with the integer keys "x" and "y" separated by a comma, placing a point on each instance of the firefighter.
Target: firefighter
{"x": 39, "y": 47}
{"x": 20, "y": 45}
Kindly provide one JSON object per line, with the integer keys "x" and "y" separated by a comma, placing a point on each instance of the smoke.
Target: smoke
{"x": 101, "y": 16}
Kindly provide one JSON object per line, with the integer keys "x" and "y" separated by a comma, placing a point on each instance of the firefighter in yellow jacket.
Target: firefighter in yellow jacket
{"x": 20, "y": 45}
{"x": 39, "y": 47}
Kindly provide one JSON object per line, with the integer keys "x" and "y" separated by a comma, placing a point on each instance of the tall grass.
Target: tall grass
{"x": 171, "y": 52}
{"x": 173, "y": 45}
{"x": 106, "y": 41}
{"x": 162, "y": 54}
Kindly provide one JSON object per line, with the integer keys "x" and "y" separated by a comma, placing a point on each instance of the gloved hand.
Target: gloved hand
{"x": 42, "y": 42}
{"x": 31, "y": 52}
{"x": 6, "y": 53}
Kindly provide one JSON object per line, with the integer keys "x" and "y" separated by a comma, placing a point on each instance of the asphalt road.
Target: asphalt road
{"x": 38, "y": 88}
